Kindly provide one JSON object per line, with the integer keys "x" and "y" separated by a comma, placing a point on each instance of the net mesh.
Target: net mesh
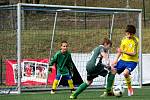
{"x": 83, "y": 31}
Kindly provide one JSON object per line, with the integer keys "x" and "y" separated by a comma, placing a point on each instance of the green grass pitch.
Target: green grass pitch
{"x": 89, "y": 94}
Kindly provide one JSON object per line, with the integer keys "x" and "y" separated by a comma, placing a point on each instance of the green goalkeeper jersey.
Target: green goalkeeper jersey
{"x": 63, "y": 62}
{"x": 91, "y": 64}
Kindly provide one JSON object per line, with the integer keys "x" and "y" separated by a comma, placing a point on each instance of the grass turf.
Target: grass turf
{"x": 89, "y": 94}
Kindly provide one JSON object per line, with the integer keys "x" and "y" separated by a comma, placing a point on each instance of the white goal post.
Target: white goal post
{"x": 92, "y": 17}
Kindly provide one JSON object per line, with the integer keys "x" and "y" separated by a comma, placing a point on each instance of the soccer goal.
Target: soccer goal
{"x": 31, "y": 34}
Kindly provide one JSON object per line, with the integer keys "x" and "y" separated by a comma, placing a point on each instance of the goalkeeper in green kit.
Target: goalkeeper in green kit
{"x": 64, "y": 65}
{"x": 95, "y": 69}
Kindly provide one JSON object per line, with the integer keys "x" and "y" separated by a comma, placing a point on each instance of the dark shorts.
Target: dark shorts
{"x": 67, "y": 77}
{"x": 122, "y": 65}
{"x": 98, "y": 70}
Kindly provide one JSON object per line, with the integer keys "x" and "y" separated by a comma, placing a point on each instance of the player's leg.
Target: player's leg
{"x": 101, "y": 68}
{"x": 130, "y": 67}
{"x": 128, "y": 82}
{"x": 70, "y": 82}
{"x": 82, "y": 87}
{"x": 110, "y": 82}
{"x": 111, "y": 76}
{"x": 55, "y": 84}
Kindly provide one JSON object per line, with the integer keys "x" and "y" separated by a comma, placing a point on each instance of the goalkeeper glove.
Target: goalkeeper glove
{"x": 49, "y": 69}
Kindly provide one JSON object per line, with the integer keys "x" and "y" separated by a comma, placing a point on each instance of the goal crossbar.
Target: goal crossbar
{"x": 73, "y": 8}
{"x": 62, "y": 8}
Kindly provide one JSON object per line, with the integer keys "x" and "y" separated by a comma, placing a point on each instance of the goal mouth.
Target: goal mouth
{"x": 40, "y": 29}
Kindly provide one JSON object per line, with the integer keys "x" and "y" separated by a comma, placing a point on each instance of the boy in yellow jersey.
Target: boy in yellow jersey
{"x": 128, "y": 54}
{"x": 64, "y": 64}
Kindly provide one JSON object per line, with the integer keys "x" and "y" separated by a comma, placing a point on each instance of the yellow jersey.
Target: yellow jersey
{"x": 130, "y": 45}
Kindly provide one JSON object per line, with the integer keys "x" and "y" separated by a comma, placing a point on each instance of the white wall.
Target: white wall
{"x": 146, "y": 68}
{"x": 81, "y": 59}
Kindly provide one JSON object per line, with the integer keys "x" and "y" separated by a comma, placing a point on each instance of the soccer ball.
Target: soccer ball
{"x": 118, "y": 91}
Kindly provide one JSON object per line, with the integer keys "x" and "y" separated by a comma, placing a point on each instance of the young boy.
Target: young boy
{"x": 128, "y": 52}
{"x": 93, "y": 69}
{"x": 63, "y": 61}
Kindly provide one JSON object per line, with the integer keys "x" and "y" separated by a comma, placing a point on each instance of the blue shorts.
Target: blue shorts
{"x": 122, "y": 65}
{"x": 66, "y": 77}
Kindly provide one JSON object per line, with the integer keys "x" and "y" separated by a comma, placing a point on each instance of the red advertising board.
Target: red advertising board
{"x": 33, "y": 72}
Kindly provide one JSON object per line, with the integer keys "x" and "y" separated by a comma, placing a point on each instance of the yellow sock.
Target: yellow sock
{"x": 128, "y": 81}
{"x": 70, "y": 82}
{"x": 55, "y": 83}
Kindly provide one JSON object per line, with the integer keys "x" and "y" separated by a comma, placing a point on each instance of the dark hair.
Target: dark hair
{"x": 63, "y": 42}
{"x": 107, "y": 41}
{"x": 130, "y": 29}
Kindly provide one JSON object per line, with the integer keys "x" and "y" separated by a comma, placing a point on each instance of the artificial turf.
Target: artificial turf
{"x": 89, "y": 94}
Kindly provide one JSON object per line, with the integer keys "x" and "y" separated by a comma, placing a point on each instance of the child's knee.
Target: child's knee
{"x": 126, "y": 73}
{"x": 89, "y": 82}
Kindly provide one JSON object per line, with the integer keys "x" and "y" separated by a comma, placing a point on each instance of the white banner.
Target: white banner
{"x": 80, "y": 61}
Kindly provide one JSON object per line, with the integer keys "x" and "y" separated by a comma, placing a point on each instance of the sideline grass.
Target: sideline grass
{"x": 89, "y": 94}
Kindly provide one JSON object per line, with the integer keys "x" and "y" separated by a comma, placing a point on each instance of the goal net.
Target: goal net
{"x": 31, "y": 33}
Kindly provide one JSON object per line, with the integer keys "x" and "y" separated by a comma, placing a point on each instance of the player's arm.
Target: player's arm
{"x": 105, "y": 58}
{"x": 131, "y": 53}
{"x": 134, "y": 52}
{"x": 71, "y": 64}
{"x": 53, "y": 60}
{"x": 116, "y": 58}
{"x": 119, "y": 53}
